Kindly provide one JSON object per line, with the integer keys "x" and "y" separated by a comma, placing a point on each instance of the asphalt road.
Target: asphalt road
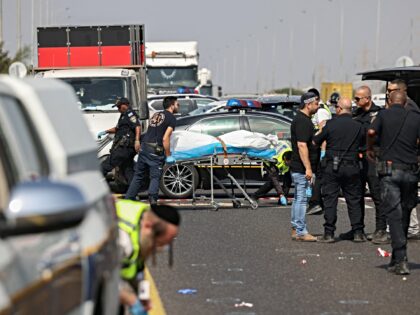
{"x": 232, "y": 256}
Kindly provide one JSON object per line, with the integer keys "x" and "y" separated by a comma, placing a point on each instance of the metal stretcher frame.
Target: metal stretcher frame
{"x": 226, "y": 161}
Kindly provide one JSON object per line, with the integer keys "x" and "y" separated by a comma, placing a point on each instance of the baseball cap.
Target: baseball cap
{"x": 307, "y": 98}
{"x": 121, "y": 101}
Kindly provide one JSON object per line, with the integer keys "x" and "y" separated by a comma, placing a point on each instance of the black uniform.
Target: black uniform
{"x": 397, "y": 169}
{"x": 122, "y": 151}
{"x": 344, "y": 137}
{"x": 152, "y": 155}
{"x": 368, "y": 172}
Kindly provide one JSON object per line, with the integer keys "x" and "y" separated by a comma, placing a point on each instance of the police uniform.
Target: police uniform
{"x": 274, "y": 169}
{"x": 398, "y": 131}
{"x": 151, "y": 156}
{"x": 122, "y": 151}
{"x": 340, "y": 169}
{"x": 368, "y": 172}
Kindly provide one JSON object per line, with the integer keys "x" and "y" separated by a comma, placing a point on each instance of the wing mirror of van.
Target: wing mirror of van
{"x": 42, "y": 206}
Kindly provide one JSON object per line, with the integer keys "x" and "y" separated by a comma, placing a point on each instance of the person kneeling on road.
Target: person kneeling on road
{"x": 126, "y": 142}
{"x": 142, "y": 229}
{"x": 274, "y": 170}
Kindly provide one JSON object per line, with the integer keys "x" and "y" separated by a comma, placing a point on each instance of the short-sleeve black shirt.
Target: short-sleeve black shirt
{"x": 158, "y": 124}
{"x": 341, "y": 132}
{"x": 127, "y": 124}
{"x": 387, "y": 124}
{"x": 302, "y": 130}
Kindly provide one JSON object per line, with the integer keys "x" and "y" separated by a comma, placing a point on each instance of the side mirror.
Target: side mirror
{"x": 42, "y": 206}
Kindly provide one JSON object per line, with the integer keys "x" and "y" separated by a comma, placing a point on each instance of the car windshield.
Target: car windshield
{"x": 98, "y": 93}
{"x": 185, "y": 106}
{"x": 169, "y": 77}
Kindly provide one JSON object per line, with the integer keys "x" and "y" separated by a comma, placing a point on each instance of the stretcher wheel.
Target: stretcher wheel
{"x": 215, "y": 206}
{"x": 254, "y": 205}
{"x": 236, "y": 203}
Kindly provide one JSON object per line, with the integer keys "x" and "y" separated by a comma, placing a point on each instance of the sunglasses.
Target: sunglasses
{"x": 388, "y": 91}
{"x": 336, "y": 107}
{"x": 357, "y": 99}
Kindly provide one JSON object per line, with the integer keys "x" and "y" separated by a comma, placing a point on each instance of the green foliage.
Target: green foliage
{"x": 286, "y": 91}
{"x": 22, "y": 55}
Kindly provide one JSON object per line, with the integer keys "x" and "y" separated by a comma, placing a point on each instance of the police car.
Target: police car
{"x": 240, "y": 115}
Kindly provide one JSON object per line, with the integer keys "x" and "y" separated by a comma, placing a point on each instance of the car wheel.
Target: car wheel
{"x": 179, "y": 181}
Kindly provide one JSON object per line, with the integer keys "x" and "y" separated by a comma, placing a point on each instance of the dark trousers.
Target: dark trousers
{"x": 316, "y": 199}
{"x": 369, "y": 176}
{"x": 121, "y": 157}
{"x": 273, "y": 181}
{"x": 348, "y": 179}
{"x": 399, "y": 195}
{"x": 146, "y": 161}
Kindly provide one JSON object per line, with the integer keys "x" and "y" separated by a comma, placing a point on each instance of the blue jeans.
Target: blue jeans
{"x": 299, "y": 205}
{"x": 146, "y": 161}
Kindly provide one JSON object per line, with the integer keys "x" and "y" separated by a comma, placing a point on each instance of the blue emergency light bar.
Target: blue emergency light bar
{"x": 235, "y": 103}
{"x": 186, "y": 90}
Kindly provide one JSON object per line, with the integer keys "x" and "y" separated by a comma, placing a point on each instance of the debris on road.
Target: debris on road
{"x": 187, "y": 291}
{"x": 303, "y": 262}
{"x": 383, "y": 253}
{"x": 242, "y": 304}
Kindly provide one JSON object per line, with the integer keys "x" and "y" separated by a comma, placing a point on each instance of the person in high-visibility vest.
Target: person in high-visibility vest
{"x": 274, "y": 170}
{"x": 142, "y": 228}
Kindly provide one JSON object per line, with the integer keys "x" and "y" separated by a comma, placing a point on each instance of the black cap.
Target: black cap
{"x": 167, "y": 213}
{"x": 315, "y": 91}
{"x": 121, "y": 101}
{"x": 307, "y": 98}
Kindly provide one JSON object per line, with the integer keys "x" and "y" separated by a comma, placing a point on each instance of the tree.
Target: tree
{"x": 22, "y": 55}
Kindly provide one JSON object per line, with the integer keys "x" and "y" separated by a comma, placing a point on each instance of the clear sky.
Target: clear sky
{"x": 252, "y": 45}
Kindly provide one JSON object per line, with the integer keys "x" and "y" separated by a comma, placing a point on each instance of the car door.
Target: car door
{"x": 269, "y": 126}
{"x": 217, "y": 125}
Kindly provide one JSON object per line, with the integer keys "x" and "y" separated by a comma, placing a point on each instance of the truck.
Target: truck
{"x": 172, "y": 67}
{"x": 101, "y": 63}
{"x": 343, "y": 88}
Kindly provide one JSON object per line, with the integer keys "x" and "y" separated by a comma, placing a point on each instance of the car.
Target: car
{"x": 200, "y": 99}
{"x": 286, "y": 105}
{"x": 216, "y": 106}
{"x": 411, "y": 75}
{"x": 179, "y": 181}
{"x": 185, "y": 106}
{"x": 379, "y": 99}
{"x": 58, "y": 227}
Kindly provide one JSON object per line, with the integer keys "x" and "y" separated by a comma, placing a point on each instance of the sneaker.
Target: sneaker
{"x": 293, "y": 234}
{"x": 414, "y": 236}
{"x": 153, "y": 201}
{"x": 317, "y": 209}
{"x": 380, "y": 237}
{"x": 359, "y": 237}
{"x": 326, "y": 238}
{"x": 348, "y": 236}
{"x": 306, "y": 238}
{"x": 401, "y": 268}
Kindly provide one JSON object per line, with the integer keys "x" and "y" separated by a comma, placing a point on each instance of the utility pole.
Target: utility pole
{"x": 378, "y": 30}
{"x": 1, "y": 21}
{"x": 18, "y": 26}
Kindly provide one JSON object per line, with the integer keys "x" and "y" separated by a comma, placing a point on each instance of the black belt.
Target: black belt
{"x": 155, "y": 147}
{"x": 345, "y": 162}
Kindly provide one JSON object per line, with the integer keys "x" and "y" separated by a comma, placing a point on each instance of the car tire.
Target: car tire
{"x": 179, "y": 180}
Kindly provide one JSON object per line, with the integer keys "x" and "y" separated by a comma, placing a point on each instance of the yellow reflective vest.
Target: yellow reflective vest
{"x": 129, "y": 214}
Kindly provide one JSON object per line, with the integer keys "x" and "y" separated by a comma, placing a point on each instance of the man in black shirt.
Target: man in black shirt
{"x": 365, "y": 114}
{"x": 340, "y": 166}
{"x": 398, "y": 131}
{"x": 304, "y": 162}
{"x": 155, "y": 145}
{"x": 126, "y": 141}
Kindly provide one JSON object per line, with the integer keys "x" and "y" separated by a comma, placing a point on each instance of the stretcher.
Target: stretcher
{"x": 226, "y": 162}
